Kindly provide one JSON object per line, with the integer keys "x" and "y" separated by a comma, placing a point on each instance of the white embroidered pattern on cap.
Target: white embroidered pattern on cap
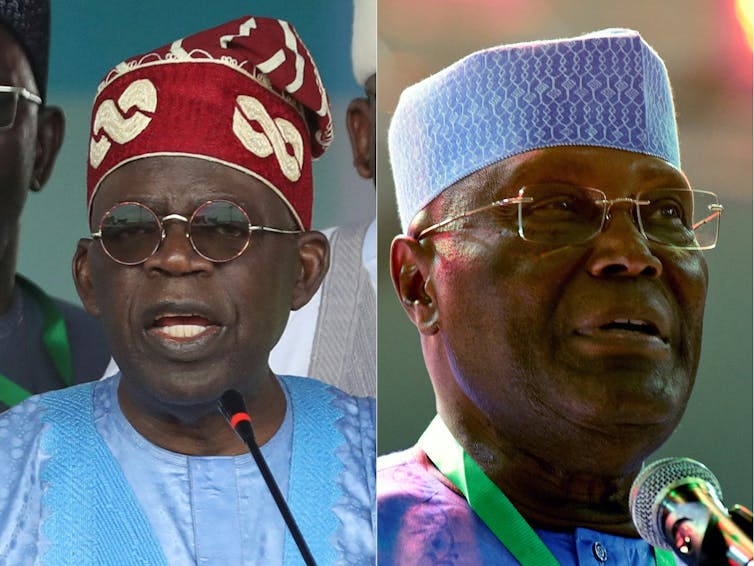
{"x": 111, "y": 125}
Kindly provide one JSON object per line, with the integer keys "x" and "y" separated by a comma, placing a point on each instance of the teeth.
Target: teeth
{"x": 632, "y": 324}
{"x": 183, "y": 330}
{"x": 630, "y": 321}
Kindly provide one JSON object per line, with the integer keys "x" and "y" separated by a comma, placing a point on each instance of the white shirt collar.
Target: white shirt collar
{"x": 369, "y": 253}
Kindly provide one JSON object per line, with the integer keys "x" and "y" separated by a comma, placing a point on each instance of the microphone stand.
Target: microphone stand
{"x": 240, "y": 421}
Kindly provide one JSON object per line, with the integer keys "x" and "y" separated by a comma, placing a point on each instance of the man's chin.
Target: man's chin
{"x": 188, "y": 396}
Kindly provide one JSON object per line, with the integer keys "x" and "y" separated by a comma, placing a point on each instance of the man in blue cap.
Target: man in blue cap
{"x": 552, "y": 263}
{"x": 45, "y": 343}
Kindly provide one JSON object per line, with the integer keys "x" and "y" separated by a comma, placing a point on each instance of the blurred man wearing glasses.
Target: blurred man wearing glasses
{"x": 552, "y": 263}
{"x": 45, "y": 343}
{"x": 200, "y": 199}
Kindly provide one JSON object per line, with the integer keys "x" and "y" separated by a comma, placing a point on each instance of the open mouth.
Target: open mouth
{"x": 642, "y": 332}
{"x": 624, "y": 330}
{"x": 182, "y": 327}
{"x": 632, "y": 325}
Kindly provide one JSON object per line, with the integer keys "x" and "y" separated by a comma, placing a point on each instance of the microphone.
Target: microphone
{"x": 676, "y": 504}
{"x": 233, "y": 408}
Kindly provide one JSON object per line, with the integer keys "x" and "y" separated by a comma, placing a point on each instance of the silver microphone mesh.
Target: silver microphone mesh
{"x": 652, "y": 485}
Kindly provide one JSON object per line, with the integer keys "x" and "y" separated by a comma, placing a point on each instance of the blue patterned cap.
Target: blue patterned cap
{"x": 608, "y": 89}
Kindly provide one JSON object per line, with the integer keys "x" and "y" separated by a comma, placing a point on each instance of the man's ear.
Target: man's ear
{"x": 82, "y": 278}
{"x": 50, "y": 131}
{"x": 314, "y": 255}
{"x": 410, "y": 269}
{"x": 361, "y": 133}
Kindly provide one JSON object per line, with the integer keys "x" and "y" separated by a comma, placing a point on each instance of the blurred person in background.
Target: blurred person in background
{"x": 333, "y": 337}
{"x": 45, "y": 343}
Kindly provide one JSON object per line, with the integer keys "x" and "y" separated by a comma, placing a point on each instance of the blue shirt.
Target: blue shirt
{"x": 423, "y": 521}
{"x": 200, "y": 510}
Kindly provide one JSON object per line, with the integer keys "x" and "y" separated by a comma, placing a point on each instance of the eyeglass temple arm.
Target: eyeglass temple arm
{"x": 30, "y": 96}
{"x": 501, "y": 202}
{"x": 23, "y": 93}
{"x": 275, "y": 230}
{"x": 717, "y": 211}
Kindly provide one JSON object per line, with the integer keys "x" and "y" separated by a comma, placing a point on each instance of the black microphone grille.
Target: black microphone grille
{"x": 231, "y": 402}
{"x": 652, "y": 485}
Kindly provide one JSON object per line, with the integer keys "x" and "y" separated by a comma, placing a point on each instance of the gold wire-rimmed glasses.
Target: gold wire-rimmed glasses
{"x": 218, "y": 230}
{"x": 560, "y": 214}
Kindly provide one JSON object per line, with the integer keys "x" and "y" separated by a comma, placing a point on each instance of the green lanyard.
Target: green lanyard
{"x": 490, "y": 503}
{"x": 55, "y": 338}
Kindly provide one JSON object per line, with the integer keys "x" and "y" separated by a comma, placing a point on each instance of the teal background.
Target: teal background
{"x": 90, "y": 37}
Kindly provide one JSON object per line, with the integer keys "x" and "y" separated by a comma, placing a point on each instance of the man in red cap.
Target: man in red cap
{"x": 199, "y": 196}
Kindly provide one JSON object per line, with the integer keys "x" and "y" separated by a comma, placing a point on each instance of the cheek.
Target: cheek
{"x": 688, "y": 278}
{"x": 263, "y": 296}
{"x": 499, "y": 310}
{"x": 112, "y": 286}
{"x": 508, "y": 286}
{"x": 471, "y": 289}
{"x": 493, "y": 311}
{"x": 16, "y": 168}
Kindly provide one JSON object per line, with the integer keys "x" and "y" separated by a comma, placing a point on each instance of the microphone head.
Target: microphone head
{"x": 652, "y": 486}
{"x": 231, "y": 403}
{"x": 233, "y": 408}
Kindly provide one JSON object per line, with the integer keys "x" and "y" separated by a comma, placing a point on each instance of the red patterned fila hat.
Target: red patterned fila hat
{"x": 245, "y": 94}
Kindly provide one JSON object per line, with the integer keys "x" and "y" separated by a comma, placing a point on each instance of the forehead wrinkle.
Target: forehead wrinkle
{"x": 163, "y": 205}
{"x": 581, "y": 165}
{"x": 547, "y": 165}
{"x": 171, "y": 184}
{"x": 481, "y": 187}
{"x": 659, "y": 173}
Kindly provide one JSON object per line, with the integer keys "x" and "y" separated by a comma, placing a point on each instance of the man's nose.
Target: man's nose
{"x": 176, "y": 255}
{"x": 621, "y": 250}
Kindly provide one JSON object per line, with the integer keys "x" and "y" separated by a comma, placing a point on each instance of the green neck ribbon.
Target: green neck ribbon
{"x": 54, "y": 337}
{"x": 490, "y": 503}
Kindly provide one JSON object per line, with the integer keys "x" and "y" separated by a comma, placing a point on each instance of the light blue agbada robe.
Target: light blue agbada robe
{"x": 79, "y": 485}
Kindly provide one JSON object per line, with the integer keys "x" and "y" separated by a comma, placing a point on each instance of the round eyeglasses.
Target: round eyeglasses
{"x": 219, "y": 231}
{"x": 9, "y": 103}
{"x": 563, "y": 215}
